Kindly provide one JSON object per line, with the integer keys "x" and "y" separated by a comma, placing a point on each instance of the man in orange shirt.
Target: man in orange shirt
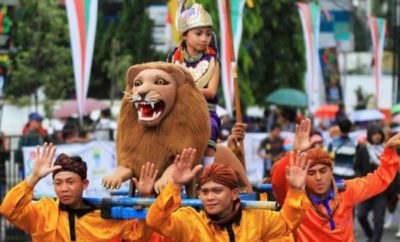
{"x": 223, "y": 218}
{"x": 331, "y": 216}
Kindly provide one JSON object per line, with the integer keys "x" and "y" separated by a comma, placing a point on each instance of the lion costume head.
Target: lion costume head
{"x": 162, "y": 112}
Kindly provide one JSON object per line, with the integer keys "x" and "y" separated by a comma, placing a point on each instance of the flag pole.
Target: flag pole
{"x": 234, "y": 72}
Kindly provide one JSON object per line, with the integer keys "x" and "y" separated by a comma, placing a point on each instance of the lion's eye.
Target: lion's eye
{"x": 161, "y": 81}
{"x": 137, "y": 83}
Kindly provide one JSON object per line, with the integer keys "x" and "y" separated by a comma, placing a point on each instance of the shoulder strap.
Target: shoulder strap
{"x": 171, "y": 54}
{"x": 214, "y": 44}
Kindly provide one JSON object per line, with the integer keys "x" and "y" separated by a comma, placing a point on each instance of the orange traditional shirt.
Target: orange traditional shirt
{"x": 187, "y": 224}
{"x": 316, "y": 228}
{"x": 46, "y": 222}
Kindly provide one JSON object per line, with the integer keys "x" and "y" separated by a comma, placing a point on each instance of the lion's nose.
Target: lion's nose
{"x": 142, "y": 94}
{"x": 143, "y": 89}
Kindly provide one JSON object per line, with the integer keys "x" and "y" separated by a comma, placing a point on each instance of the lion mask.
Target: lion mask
{"x": 162, "y": 112}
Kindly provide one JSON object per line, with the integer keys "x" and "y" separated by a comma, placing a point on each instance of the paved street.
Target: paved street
{"x": 388, "y": 235}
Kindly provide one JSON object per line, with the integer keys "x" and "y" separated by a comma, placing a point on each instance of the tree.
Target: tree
{"x": 124, "y": 38}
{"x": 278, "y": 50}
{"x": 271, "y": 54}
{"x": 42, "y": 57}
{"x": 116, "y": 67}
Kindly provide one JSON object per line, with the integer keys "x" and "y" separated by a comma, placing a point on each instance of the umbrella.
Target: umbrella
{"x": 70, "y": 108}
{"x": 288, "y": 97}
{"x": 327, "y": 111}
{"x": 396, "y": 108}
{"x": 366, "y": 115}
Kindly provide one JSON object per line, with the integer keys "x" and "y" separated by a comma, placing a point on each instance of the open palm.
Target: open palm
{"x": 183, "y": 172}
{"x": 146, "y": 180}
{"x": 302, "y": 136}
{"x": 296, "y": 172}
{"x": 42, "y": 165}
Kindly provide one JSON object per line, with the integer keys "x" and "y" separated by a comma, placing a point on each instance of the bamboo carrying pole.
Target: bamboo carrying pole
{"x": 234, "y": 73}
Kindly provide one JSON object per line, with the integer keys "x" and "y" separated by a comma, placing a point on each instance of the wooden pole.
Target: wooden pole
{"x": 231, "y": 53}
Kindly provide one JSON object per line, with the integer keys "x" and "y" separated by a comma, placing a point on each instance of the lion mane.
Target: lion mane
{"x": 186, "y": 126}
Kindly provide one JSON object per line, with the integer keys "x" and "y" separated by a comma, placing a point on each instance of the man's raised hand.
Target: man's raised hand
{"x": 42, "y": 164}
{"x": 146, "y": 180}
{"x": 296, "y": 171}
{"x": 302, "y": 136}
{"x": 183, "y": 172}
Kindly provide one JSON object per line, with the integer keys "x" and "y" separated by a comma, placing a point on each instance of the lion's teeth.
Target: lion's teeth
{"x": 136, "y": 105}
{"x": 152, "y": 105}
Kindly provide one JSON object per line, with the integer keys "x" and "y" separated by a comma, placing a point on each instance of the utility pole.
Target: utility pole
{"x": 396, "y": 49}
{"x": 2, "y": 84}
{"x": 396, "y": 43}
{"x": 393, "y": 20}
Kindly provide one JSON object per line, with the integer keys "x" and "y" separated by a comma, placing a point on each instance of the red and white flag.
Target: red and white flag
{"x": 82, "y": 19}
{"x": 227, "y": 67}
{"x": 378, "y": 28}
{"x": 310, "y": 19}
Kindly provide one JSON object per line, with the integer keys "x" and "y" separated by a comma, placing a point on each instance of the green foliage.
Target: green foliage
{"x": 42, "y": 56}
{"x": 377, "y": 7}
{"x": 271, "y": 54}
{"x": 116, "y": 67}
{"x": 19, "y": 100}
{"x": 124, "y": 40}
{"x": 277, "y": 50}
{"x": 48, "y": 106}
{"x": 362, "y": 36}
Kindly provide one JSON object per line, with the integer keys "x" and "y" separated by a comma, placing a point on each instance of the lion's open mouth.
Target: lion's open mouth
{"x": 149, "y": 111}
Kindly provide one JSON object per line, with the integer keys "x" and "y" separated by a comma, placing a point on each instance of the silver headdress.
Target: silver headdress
{"x": 193, "y": 17}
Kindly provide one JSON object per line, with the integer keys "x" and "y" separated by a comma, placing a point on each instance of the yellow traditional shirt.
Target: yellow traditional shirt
{"x": 46, "y": 222}
{"x": 186, "y": 224}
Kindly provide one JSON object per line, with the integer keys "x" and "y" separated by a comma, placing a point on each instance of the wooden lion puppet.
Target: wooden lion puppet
{"x": 162, "y": 112}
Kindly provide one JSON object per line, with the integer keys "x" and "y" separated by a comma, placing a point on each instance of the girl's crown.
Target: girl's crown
{"x": 193, "y": 17}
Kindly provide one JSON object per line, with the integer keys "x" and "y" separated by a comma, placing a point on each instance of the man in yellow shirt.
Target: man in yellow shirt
{"x": 70, "y": 217}
{"x": 223, "y": 217}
